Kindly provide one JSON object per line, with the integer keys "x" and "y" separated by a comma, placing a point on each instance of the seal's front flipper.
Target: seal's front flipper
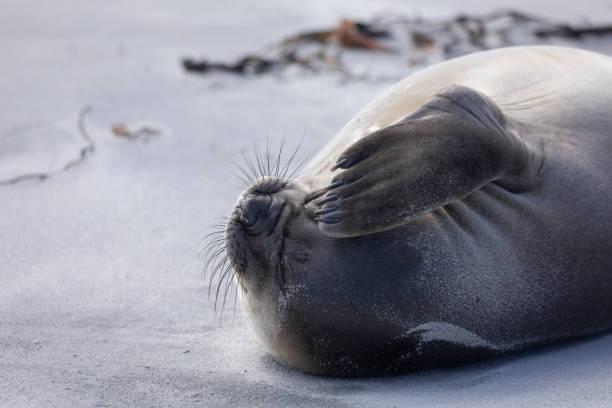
{"x": 455, "y": 143}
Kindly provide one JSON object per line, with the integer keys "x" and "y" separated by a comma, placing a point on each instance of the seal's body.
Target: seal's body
{"x": 465, "y": 213}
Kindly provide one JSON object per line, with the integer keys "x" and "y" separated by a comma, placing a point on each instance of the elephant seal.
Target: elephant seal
{"x": 464, "y": 214}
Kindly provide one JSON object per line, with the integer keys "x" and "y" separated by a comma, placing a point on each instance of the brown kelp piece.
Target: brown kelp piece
{"x": 400, "y": 44}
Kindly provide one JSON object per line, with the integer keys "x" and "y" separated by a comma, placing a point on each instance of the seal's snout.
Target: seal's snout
{"x": 256, "y": 230}
{"x": 253, "y": 207}
{"x": 259, "y": 213}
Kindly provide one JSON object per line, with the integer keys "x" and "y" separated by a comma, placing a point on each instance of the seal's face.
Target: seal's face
{"x": 268, "y": 239}
{"x": 313, "y": 300}
{"x": 257, "y": 231}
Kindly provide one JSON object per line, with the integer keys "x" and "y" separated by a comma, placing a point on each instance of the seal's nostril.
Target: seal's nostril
{"x": 241, "y": 216}
{"x": 252, "y": 207}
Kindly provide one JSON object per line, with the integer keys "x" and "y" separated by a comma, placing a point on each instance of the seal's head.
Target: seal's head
{"x": 311, "y": 299}
{"x": 268, "y": 239}
{"x": 257, "y": 229}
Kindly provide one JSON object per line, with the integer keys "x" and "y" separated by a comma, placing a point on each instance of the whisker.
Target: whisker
{"x": 218, "y": 267}
{"x": 210, "y": 239}
{"x": 230, "y": 280}
{"x": 216, "y": 231}
{"x": 217, "y": 228}
{"x": 213, "y": 243}
{"x": 288, "y": 164}
{"x": 278, "y": 158}
{"x": 259, "y": 162}
{"x": 213, "y": 250}
{"x": 211, "y": 255}
{"x": 250, "y": 165}
{"x": 220, "y": 283}
{"x": 299, "y": 166}
{"x": 268, "y": 172}
{"x": 245, "y": 175}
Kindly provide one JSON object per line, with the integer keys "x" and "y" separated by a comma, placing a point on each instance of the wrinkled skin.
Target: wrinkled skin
{"x": 462, "y": 230}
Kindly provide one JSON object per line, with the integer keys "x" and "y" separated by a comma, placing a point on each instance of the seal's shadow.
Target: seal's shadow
{"x": 537, "y": 362}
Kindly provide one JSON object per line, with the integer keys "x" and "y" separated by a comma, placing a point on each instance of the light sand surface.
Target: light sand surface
{"x": 102, "y": 300}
